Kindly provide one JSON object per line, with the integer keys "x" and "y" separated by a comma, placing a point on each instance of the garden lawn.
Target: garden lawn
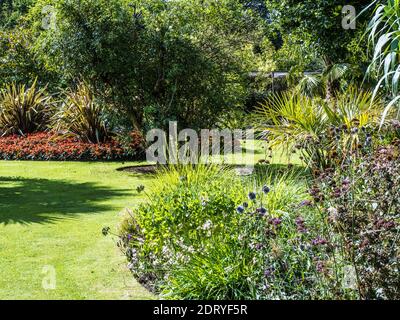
{"x": 52, "y": 214}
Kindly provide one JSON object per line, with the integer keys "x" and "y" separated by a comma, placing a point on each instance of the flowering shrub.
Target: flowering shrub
{"x": 47, "y": 146}
{"x": 193, "y": 242}
{"x": 179, "y": 217}
{"x": 361, "y": 199}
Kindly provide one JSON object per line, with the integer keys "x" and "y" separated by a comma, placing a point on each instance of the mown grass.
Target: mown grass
{"x": 52, "y": 213}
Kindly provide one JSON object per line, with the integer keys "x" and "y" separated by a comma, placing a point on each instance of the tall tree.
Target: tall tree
{"x": 318, "y": 25}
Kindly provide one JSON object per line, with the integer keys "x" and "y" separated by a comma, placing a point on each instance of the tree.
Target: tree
{"x": 318, "y": 27}
{"x": 153, "y": 61}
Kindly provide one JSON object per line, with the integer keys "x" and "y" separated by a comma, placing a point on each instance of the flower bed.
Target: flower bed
{"x": 48, "y": 146}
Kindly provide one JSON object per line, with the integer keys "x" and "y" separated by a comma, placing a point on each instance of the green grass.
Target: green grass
{"x": 52, "y": 214}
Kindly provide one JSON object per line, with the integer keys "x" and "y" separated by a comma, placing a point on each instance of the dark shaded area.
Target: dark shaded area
{"x": 146, "y": 169}
{"x": 28, "y": 201}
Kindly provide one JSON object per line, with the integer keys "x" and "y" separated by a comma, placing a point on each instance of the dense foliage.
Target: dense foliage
{"x": 24, "y": 110}
{"x": 82, "y": 116}
{"x": 153, "y": 61}
{"x": 360, "y": 195}
{"x": 189, "y": 243}
{"x": 49, "y": 146}
{"x": 312, "y": 126}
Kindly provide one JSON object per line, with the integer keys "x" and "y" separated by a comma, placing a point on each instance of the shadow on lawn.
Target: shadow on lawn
{"x": 28, "y": 201}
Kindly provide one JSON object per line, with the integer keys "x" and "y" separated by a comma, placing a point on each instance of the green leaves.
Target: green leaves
{"x": 384, "y": 36}
{"x": 24, "y": 110}
{"x": 82, "y": 116}
{"x": 295, "y": 120}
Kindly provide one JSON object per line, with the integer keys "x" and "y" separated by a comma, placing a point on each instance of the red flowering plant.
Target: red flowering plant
{"x": 49, "y": 146}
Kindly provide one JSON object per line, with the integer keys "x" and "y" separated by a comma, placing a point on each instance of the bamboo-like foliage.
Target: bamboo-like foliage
{"x": 24, "y": 110}
{"x": 291, "y": 119}
{"x": 384, "y": 37}
{"x": 81, "y": 116}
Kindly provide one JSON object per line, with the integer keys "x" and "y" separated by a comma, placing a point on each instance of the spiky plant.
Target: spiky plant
{"x": 82, "y": 116}
{"x": 24, "y": 110}
{"x": 290, "y": 119}
{"x": 296, "y": 121}
{"x": 384, "y": 37}
{"x": 323, "y": 84}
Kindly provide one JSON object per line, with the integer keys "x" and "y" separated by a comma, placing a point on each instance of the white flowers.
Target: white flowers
{"x": 207, "y": 225}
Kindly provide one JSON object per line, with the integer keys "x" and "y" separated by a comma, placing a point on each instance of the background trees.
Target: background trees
{"x": 153, "y": 61}
{"x": 315, "y": 28}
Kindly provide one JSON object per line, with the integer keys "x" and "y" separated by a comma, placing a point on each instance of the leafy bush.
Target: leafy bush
{"x": 24, "y": 110}
{"x": 81, "y": 116}
{"x": 177, "y": 216}
{"x": 192, "y": 242}
{"x": 47, "y": 146}
{"x": 155, "y": 60}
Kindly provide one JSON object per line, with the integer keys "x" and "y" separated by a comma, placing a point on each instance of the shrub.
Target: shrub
{"x": 24, "y": 110}
{"x": 360, "y": 197}
{"x": 82, "y": 116}
{"x": 178, "y": 215}
{"x": 383, "y": 39}
{"x": 47, "y": 146}
{"x": 192, "y": 242}
{"x": 312, "y": 125}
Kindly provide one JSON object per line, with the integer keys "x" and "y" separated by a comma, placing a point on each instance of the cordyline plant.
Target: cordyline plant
{"x": 24, "y": 110}
{"x": 82, "y": 116}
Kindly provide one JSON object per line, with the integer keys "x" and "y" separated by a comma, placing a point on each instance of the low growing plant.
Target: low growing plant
{"x": 200, "y": 237}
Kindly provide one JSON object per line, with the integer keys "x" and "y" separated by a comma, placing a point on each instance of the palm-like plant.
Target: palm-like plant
{"x": 24, "y": 110}
{"x": 289, "y": 119}
{"x": 384, "y": 37}
{"x": 353, "y": 109}
{"x": 294, "y": 120}
{"x": 323, "y": 83}
{"x": 82, "y": 116}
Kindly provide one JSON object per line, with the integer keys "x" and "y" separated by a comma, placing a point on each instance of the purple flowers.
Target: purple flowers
{"x": 269, "y": 272}
{"x": 240, "y": 209}
{"x": 300, "y": 225}
{"x": 318, "y": 241}
{"x": 306, "y": 203}
{"x": 275, "y": 221}
{"x": 252, "y": 196}
{"x": 320, "y": 266}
